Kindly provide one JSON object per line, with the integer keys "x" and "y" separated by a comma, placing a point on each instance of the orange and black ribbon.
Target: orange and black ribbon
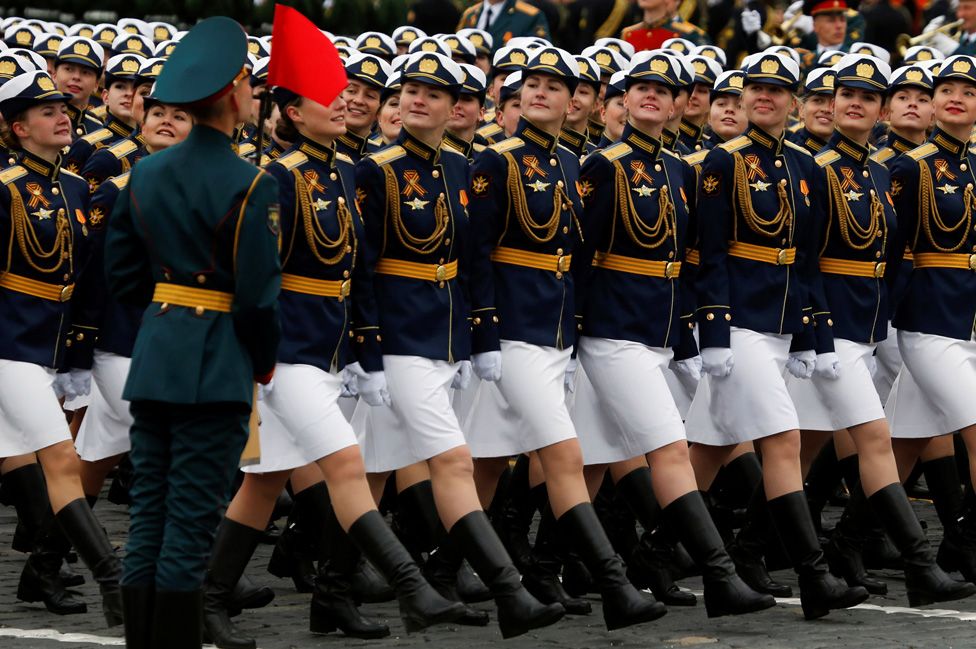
{"x": 942, "y": 171}
{"x": 848, "y": 183}
{"x": 753, "y": 170}
{"x": 312, "y": 178}
{"x": 532, "y": 167}
{"x": 640, "y": 173}
{"x": 37, "y": 196}
{"x": 412, "y": 179}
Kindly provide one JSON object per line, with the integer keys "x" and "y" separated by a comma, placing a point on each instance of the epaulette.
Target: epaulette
{"x": 794, "y": 145}
{"x": 342, "y": 157}
{"x": 71, "y": 174}
{"x": 100, "y": 112}
{"x": 526, "y": 8}
{"x": 123, "y": 148}
{"x": 696, "y": 158}
{"x": 478, "y": 148}
{"x": 120, "y": 181}
{"x": 292, "y": 160}
{"x": 507, "y": 145}
{"x": 490, "y": 130}
{"x": 972, "y": 150}
{"x": 450, "y": 149}
{"x": 376, "y": 141}
{"x": 827, "y": 157}
{"x": 735, "y": 144}
{"x": 627, "y": 31}
{"x": 7, "y": 176}
{"x": 793, "y": 128}
{"x": 673, "y": 154}
{"x": 245, "y": 149}
{"x": 490, "y": 116}
{"x": 883, "y": 155}
{"x": 388, "y": 155}
{"x": 98, "y": 136}
{"x": 616, "y": 151}
{"x": 685, "y": 27}
{"x": 923, "y": 151}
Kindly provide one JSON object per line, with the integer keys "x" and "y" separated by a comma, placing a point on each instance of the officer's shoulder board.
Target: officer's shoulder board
{"x": 490, "y": 130}
{"x": 972, "y": 150}
{"x": 676, "y": 156}
{"x": 245, "y": 149}
{"x": 797, "y": 147}
{"x": 451, "y": 150}
{"x": 883, "y": 155}
{"x": 123, "y": 148}
{"x": 341, "y": 157}
{"x": 292, "y": 160}
{"x": 478, "y": 148}
{"x": 388, "y": 155}
{"x": 121, "y": 180}
{"x": 696, "y": 158}
{"x": 616, "y": 151}
{"x": 525, "y": 8}
{"x": 375, "y": 140}
{"x": 95, "y": 137}
{"x": 69, "y": 174}
{"x": 793, "y": 128}
{"x": 923, "y": 151}
{"x": 508, "y": 144}
{"x": 684, "y": 27}
{"x": 735, "y": 144}
{"x": 827, "y": 157}
{"x": 11, "y": 174}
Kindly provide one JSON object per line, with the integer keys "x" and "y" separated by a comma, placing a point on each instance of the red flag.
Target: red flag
{"x": 303, "y": 59}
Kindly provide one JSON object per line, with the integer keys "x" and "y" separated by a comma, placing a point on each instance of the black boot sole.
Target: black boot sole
{"x": 853, "y": 597}
{"x": 654, "y": 612}
{"x": 328, "y": 627}
{"x": 550, "y": 615}
{"x": 26, "y": 594}
{"x": 921, "y": 598}
{"x": 451, "y": 614}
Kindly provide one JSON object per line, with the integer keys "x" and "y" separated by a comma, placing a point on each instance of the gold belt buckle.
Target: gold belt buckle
{"x": 879, "y": 269}
{"x": 669, "y": 270}
{"x": 972, "y": 262}
{"x": 66, "y": 292}
{"x": 440, "y": 274}
{"x": 782, "y": 256}
{"x": 345, "y": 288}
{"x": 562, "y": 263}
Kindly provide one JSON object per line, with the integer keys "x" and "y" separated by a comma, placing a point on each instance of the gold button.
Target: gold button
{"x": 164, "y": 306}
{"x": 806, "y": 319}
{"x": 559, "y": 183}
{"x": 379, "y": 338}
{"x": 441, "y": 260}
{"x": 477, "y": 321}
{"x": 333, "y": 176}
{"x": 877, "y": 255}
{"x": 348, "y": 249}
{"x": 778, "y": 163}
{"x": 198, "y": 310}
{"x": 878, "y": 233}
{"x": 969, "y": 185}
{"x": 352, "y": 334}
{"x": 728, "y": 317}
{"x": 559, "y": 251}
{"x": 166, "y": 275}
{"x": 783, "y": 182}
{"x": 963, "y": 166}
{"x": 12, "y": 161}
{"x": 865, "y": 173}
{"x": 360, "y": 339}
{"x": 657, "y": 167}
{"x": 830, "y": 323}
{"x": 553, "y": 162}
{"x": 435, "y": 173}
{"x": 441, "y": 194}
{"x": 710, "y": 316}
{"x": 67, "y": 343}
{"x": 55, "y": 191}
{"x": 671, "y": 254}
{"x": 565, "y": 229}
{"x": 494, "y": 318}
{"x": 79, "y": 131}
{"x": 345, "y": 273}
{"x": 565, "y": 206}
{"x": 871, "y": 191}
{"x": 698, "y": 147}
{"x": 691, "y": 325}
{"x": 440, "y": 285}
{"x": 664, "y": 189}
{"x": 80, "y": 337}
{"x": 65, "y": 255}
{"x": 201, "y": 279}
{"x": 784, "y": 242}
{"x": 579, "y": 327}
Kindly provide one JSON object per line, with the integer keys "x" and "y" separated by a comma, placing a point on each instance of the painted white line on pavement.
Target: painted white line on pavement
{"x": 57, "y": 636}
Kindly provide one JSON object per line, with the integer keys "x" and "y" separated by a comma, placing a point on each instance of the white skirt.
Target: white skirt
{"x": 532, "y": 386}
{"x": 944, "y": 371}
{"x": 105, "y": 428}
{"x": 827, "y": 405}
{"x": 752, "y": 402}
{"x": 30, "y": 415}
{"x": 682, "y": 387}
{"x": 888, "y": 364}
{"x": 421, "y": 423}
{"x": 631, "y": 390}
{"x": 301, "y": 421}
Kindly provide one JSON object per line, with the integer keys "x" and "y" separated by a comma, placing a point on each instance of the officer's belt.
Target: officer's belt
{"x": 961, "y": 261}
{"x": 692, "y": 256}
{"x": 908, "y": 255}
{"x": 516, "y": 257}
{"x": 318, "y": 287}
{"x": 43, "y": 290}
{"x": 852, "y": 268}
{"x": 414, "y": 270}
{"x": 623, "y": 264}
{"x": 194, "y": 298}
{"x": 775, "y": 256}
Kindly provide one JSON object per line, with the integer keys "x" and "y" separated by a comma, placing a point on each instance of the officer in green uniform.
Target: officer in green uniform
{"x": 210, "y": 329}
{"x": 505, "y": 19}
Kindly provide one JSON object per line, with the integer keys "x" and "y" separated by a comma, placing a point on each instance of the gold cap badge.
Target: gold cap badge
{"x": 700, "y": 67}
{"x": 429, "y": 66}
{"x": 735, "y": 81}
{"x": 549, "y": 58}
{"x": 864, "y": 70}
{"x": 659, "y": 65}
{"x": 769, "y": 66}
{"x": 370, "y": 68}
{"x": 7, "y": 68}
{"x": 24, "y": 37}
{"x": 372, "y": 41}
{"x": 130, "y": 65}
{"x": 961, "y": 65}
{"x": 81, "y": 49}
{"x": 518, "y": 58}
{"x": 45, "y": 84}
{"x": 914, "y": 75}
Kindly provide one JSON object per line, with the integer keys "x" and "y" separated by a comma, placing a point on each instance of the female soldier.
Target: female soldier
{"x": 388, "y": 119}
{"x": 756, "y": 242}
{"x": 726, "y": 118}
{"x": 854, "y": 245}
{"x": 44, "y": 209}
{"x": 816, "y": 118}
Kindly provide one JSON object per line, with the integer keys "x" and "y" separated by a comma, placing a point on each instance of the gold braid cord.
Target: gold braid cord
{"x": 645, "y": 236}
{"x": 30, "y": 246}
{"x": 319, "y": 242}
{"x": 928, "y": 211}
{"x": 763, "y": 227}
{"x": 862, "y": 237}
{"x": 418, "y": 245}
{"x": 537, "y": 232}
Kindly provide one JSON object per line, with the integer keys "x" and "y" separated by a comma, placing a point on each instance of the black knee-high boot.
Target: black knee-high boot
{"x": 295, "y": 553}
{"x": 233, "y": 547}
{"x": 740, "y": 479}
{"x": 820, "y": 591}
{"x": 648, "y": 566}
{"x": 87, "y": 536}
{"x": 958, "y": 548}
{"x": 925, "y": 580}
{"x": 138, "y": 606}
{"x": 749, "y": 546}
{"x": 821, "y": 482}
{"x": 176, "y": 620}
{"x": 518, "y": 611}
{"x": 846, "y": 545}
{"x": 516, "y": 511}
{"x": 623, "y": 605}
{"x": 877, "y": 550}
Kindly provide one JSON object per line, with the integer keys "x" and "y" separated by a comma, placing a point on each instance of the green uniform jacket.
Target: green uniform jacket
{"x": 517, "y": 18}
{"x": 198, "y": 216}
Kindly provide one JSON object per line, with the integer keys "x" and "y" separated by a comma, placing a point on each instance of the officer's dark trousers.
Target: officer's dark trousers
{"x": 184, "y": 458}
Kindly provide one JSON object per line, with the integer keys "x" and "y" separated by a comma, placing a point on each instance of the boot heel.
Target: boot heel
{"x": 320, "y": 627}
{"x": 916, "y": 599}
{"x": 811, "y": 612}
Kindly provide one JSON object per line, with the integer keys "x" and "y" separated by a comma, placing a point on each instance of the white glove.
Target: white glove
{"x": 751, "y": 21}
{"x": 792, "y": 10}
{"x": 80, "y": 382}
{"x": 373, "y": 388}
{"x": 264, "y": 389}
{"x": 801, "y": 364}
{"x": 934, "y": 24}
{"x": 803, "y": 25}
{"x": 350, "y": 380}
{"x": 62, "y": 386}
{"x": 488, "y": 365}
{"x": 691, "y": 367}
{"x": 717, "y": 361}
{"x": 944, "y": 43}
{"x": 463, "y": 377}
{"x": 828, "y": 366}
{"x": 569, "y": 378}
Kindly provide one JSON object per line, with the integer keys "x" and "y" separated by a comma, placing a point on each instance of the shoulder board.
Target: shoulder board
{"x": 292, "y": 160}
{"x": 793, "y": 128}
{"x": 342, "y": 157}
{"x": 735, "y": 144}
{"x": 388, "y": 155}
{"x": 923, "y": 151}
{"x": 685, "y": 27}
{"x": 526, "y": 8}
{"x": 824, "y": 158}
{"x": 450, "y": 149}
{"x": 489, "y": 129}
{"x": 378, "y": 141}
{"x": 797, "y": 147}
{"x": 245, "y": 149}
{"x": 883, "y": 155}
{"x": 507, "y": 145}
{"x": 123, "y": 148}
{"x": 69, "y": 174}
{"x": 120, "y": 181}
{"x": 675, "y": 155}
{"x": 7, "y": 176}
{"x": 98, "y": 136}
{"x": 616, "y": 151}
{"x": 479, "y": 147}
{"x": 696, "y": 158}
{"x": 972, "y": 149}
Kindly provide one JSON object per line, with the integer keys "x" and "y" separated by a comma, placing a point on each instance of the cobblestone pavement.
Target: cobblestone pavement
{"x": 881, "y": 623}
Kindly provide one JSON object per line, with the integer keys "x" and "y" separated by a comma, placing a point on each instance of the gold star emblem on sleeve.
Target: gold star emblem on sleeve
{"x": 947, "y": 189}
{"x": 416, "y": 204}
{"x": 759, "y": 186}
{"x": 321, "y": 204}
{"x": 643, "y": 191}
{"x": 539, "y": 186}
{"x": 853, "y": 195}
